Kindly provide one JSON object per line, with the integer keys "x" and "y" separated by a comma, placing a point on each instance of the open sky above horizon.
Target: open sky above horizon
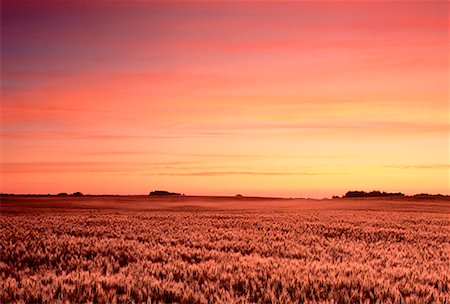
{"x": 301, "y": 99}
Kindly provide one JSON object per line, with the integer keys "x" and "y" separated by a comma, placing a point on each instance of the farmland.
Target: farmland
{"x": 223, "y": 250}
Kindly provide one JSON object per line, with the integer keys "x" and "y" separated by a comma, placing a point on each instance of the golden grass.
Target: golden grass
{"x": 220, "y": 250}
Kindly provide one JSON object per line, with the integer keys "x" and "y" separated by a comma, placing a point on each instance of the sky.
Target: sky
{"x": 291, "y": 99}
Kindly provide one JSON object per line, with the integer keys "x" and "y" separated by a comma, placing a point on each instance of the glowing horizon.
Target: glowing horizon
{"x": 304, "y": 99}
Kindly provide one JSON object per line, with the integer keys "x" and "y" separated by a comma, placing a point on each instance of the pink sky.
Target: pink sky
{"x": 276, "y": 99}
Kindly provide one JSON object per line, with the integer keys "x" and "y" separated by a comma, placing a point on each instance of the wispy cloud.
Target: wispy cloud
{"x": 226, "y": 173}
{"x": 83, "y": 135}
{"x": 221, "y": 173}
{"x": 236, "y": 127}
{"x": 424, "y": 166}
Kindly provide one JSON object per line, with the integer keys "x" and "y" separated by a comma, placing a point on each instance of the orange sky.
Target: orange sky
{"x": 304, "y": 99}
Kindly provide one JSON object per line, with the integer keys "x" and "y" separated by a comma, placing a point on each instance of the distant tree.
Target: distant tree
{"x": 428, "y": 195}
{"x": 62, "y": 194}
{"x": 163, "y": 193}
{"x": 239, "y": 196}
{"x": 77, "y": 194}
{"x": 351, "y": 194}
{"x": 355, "y": 194}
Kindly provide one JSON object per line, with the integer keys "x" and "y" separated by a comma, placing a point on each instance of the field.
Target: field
{"x": 223, "y": 250}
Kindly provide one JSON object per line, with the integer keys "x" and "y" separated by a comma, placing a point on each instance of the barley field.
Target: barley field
{"x": 141, "y": 249}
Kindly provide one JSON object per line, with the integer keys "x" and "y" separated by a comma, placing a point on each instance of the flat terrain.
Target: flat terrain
{"x": 223, "y": 250}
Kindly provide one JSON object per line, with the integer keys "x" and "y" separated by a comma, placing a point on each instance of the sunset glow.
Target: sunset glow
{"x": 304, "y": 99}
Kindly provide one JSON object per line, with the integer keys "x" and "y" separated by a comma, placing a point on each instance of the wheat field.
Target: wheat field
{"x": 141, "y": 249}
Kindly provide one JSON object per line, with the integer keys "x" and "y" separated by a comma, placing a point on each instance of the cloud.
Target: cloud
{"x": 237, "y": 127}
{"x": 221, "y": 173}
{"x": 109, "y": 167}
{"x": 130, "y": 168}
{"x": 431, "y": 166}
{"x": 82, "y": 135}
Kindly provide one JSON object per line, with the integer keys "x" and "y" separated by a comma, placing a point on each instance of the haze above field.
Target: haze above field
{"x": 29, "y": 204}
{"x": 265, "y": 99}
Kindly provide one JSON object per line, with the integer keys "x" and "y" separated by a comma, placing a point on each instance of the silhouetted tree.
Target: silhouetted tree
{"x": 427, "y": 195}
{"x": 351, "y": 194}
{"x": 162, "y": 192}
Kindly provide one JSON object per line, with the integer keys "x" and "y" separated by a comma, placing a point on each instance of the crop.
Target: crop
{"x": 192, "y": 251}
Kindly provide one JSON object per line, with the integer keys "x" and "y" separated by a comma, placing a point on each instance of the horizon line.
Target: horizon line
{"x": 238, "y": 195}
